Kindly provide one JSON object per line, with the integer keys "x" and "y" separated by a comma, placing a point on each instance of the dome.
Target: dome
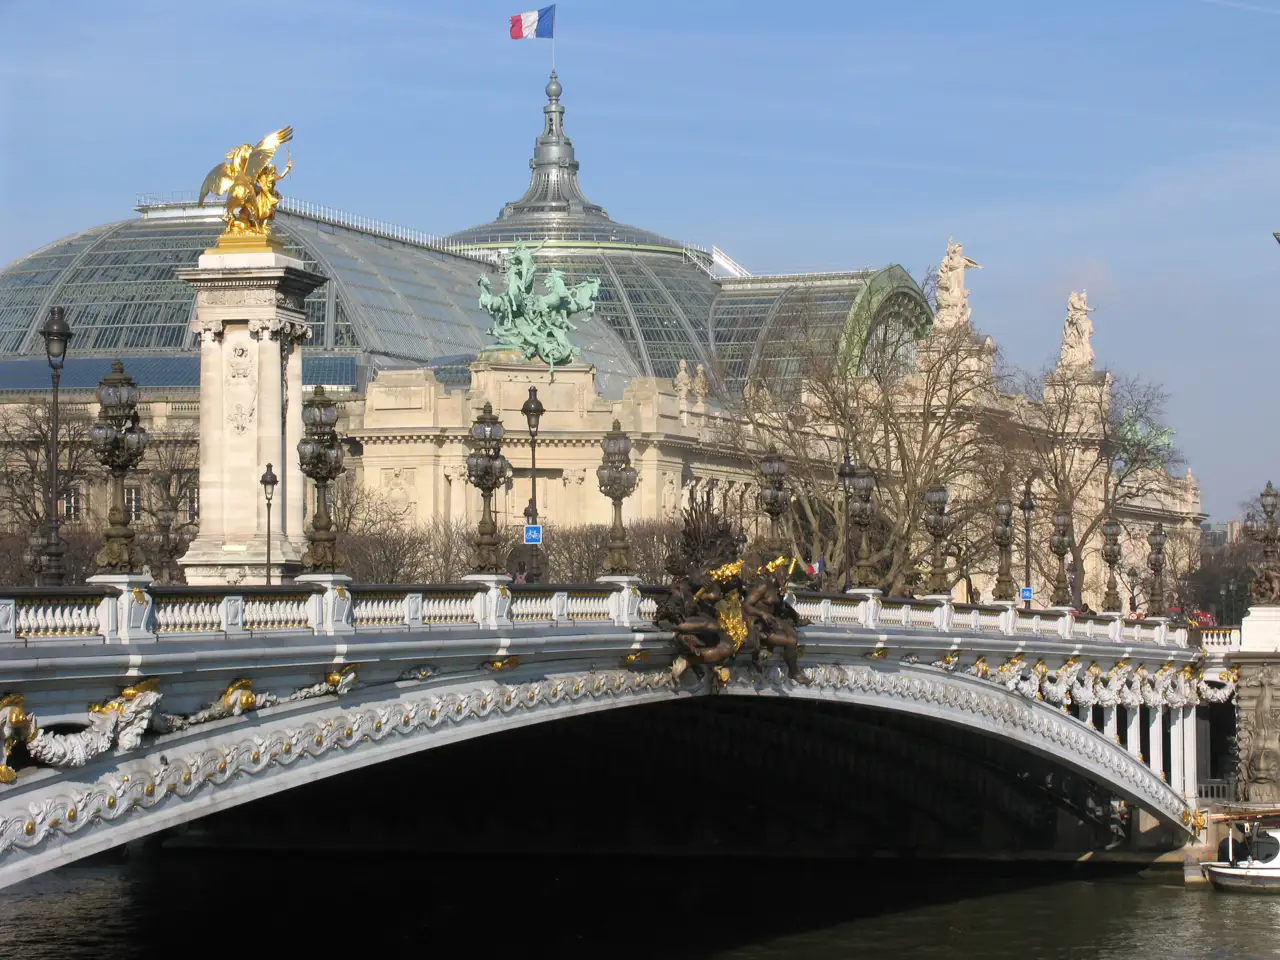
{"x": 666, "y": 300}
{"x": 392, "y": 298}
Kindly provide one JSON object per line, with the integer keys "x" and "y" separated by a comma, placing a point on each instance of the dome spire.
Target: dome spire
{"x": 553, "y": 187}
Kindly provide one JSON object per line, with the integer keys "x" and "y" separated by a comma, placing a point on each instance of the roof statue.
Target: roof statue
{"x": 536, "y": 324}
{"x": 247, "y": 180}
{"x": 1077, "y": 352}
{"x": 953, "y": 299}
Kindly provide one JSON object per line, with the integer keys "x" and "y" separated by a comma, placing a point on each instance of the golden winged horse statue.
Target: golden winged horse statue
{"x": 246, "y": 180}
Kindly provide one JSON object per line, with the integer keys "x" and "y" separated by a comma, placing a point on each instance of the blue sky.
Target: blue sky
{"x": 1128, "y": 148}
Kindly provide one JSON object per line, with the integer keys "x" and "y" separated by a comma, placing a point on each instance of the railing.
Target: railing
{"x": 1222, "y": 791}
{"x": 1219, "y": 639}
{"x": 328, "y": 605}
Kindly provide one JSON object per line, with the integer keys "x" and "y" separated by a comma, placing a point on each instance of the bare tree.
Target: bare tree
{"x": 1095, "y": 443}
{"x": 170, "y": 474}
{"x": 24, "y": 460}
{"x": 910, "y": 409}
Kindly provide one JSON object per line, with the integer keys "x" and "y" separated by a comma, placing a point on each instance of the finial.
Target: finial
{"x": 553, "y": 88}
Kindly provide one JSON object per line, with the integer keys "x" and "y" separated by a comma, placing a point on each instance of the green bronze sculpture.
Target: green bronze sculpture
{"x": 537, "y": 325}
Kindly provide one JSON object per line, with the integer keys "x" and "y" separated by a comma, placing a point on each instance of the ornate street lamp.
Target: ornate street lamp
{"x": 1060, "y": 544}
{"x": 846, "y": 474}
{"x": 1028, "y": 507}
{"x": 268, "y": 481}
{"x": 1265, "y": 533}
{"x": 1156, "y": 540}
{"x": 487, "y": 469}
{"x": 320, "y": 456}
{"x": 1002, "y": 533}
{"x": 1132, "y": 574}
{"x": 617, "y": 478}
{"x": 938, "y": 524}
{"x": 533, "y": 411}
{"x": 57, "y": 335}
{"x": 1111, "y": 556}
{"x": 775, "y": 497}
{"x": 118, "y": 443}
{"x": 864, "y": 483}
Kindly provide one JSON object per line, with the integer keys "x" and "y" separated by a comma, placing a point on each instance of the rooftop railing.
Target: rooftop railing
{"x": 103, "y": 614}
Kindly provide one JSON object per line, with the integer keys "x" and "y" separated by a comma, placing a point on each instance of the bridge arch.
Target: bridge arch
{"x": 54, "y": 817}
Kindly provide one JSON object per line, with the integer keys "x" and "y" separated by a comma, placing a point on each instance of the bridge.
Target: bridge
{"x": 132, "y": 708}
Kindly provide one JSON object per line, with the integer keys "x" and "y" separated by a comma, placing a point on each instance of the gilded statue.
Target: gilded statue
{"x": 537, "y": 325}
{"x": 246, "y": 180}
{"x": 720, "y": 606}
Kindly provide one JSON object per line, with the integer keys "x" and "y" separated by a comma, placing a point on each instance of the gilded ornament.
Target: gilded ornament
{"x": 149, "y": 790}
{"x": 222, "y": 766}
{"x": 71, "y": 814}
{"x": 29, "y": 828}
{"x": 247, "y": 180}
{"x": 287, "y": 748}
{"x": 255, "y": 756}
{"x": 347, "y": 732}
{"x": 503, "y": 663}
{"x": 186, "y": 777}
{"x": 631, "y": 658}
{"x": 377, "y": 726}
{"x": 111, "y": 802}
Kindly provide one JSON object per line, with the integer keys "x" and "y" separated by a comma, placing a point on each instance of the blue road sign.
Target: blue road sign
{"x": 1026, "y": 591}
{"x": 533, "y": 533}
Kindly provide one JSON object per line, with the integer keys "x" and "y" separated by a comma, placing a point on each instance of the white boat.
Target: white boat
{"x": 1250, "y": 864}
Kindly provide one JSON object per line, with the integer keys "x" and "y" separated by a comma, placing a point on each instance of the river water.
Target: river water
{"x": 243, "y": 904}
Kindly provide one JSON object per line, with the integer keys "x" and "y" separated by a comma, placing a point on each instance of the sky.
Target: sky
{"x": 1128, "y": 148}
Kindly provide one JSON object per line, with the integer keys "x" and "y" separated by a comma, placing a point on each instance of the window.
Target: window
{"x": 133, "y": 504}
{"x": 71, "y": 506}
{"x": 193, "y": 505}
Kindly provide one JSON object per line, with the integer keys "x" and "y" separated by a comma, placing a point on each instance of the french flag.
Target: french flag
{"x": 815, "y": 569}
{"x": 536, "y": 24}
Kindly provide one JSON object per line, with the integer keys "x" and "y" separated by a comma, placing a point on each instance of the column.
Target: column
{"x": 1190, "y": 755}
{"x": 250, "y": 317}
{"x": 1155, "y": 733}
{"x": 1133, "y": 730}
{"x": 1175, "y": 749}
{"x": 1110, "y": 723}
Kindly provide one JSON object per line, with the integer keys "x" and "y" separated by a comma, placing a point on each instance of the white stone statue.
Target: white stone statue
{"x": 953, "y": 299}
{"x": 700, "y": 386}
{"x": 683, "y": 382}
{"x": 1077, "y": 352}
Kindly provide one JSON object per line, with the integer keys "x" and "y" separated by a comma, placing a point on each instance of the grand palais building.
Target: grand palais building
{"x": 397, "y": 332}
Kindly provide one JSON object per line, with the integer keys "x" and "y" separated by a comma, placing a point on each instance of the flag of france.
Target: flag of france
{"x": 536, "y": 24}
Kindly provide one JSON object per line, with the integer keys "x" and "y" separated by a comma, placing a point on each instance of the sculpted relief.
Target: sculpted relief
{"x": 1258, "y": 740}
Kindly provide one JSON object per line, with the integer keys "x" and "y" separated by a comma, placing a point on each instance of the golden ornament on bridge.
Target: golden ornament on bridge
{"x": 246, "y": 181}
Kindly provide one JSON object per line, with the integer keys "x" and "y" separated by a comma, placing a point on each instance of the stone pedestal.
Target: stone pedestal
{"x": 251, "y": 321}
{"x": 1260, "y": 630}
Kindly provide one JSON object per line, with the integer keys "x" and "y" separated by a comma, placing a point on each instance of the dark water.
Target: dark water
{"x": 237, "y": 904}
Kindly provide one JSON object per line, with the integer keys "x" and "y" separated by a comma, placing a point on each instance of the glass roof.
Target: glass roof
{"x": 391, "y": 302}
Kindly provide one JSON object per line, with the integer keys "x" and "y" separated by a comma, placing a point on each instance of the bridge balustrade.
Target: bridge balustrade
{"x": 107, "y": 614}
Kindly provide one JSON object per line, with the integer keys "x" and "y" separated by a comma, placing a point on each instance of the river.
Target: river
{"x": 243, "y": 904}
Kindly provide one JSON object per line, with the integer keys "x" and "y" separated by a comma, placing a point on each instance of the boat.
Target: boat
{"x": 1249, "y": 863}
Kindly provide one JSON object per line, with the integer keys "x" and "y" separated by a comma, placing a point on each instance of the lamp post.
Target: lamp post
{"x": 1265, "y": 533}
{"x": 1002, "y": 533}
{"x": 774, "y": 495}
{"x": 617, "y": 478}
{"x": 487, "y": 470}
{"x": 1060, "y": 543}
{"x": 1028, "y": 507}
{"x": 938, "y": 524}
{"x": 846, "y": 474}
{"x": 118, "y": 443}
{"x": 1155, "y": 540}
{"x": 1111, "y": 556}
{"x": 864, "y": 482}
{"x": 57, "y": 335}
{"x": 1132, "y": 574}
{"x": 533, "y": 411}
{"x": 269, "y": 481}
{"x": 320, "y": 457}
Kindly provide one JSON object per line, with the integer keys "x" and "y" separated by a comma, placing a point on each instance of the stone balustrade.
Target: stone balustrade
{"x": 138, "y": 610}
